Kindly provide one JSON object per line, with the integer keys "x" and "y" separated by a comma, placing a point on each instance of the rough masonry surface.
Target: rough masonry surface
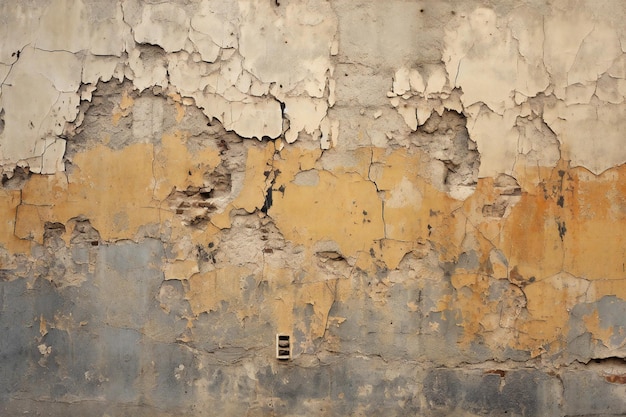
{"x": 427, "y": 197}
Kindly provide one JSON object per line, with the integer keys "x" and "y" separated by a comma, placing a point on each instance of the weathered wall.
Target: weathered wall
{"x": 429, "y": 197}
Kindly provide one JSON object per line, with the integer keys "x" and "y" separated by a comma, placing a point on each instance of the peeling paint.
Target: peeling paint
{"x": 183, "y": 181}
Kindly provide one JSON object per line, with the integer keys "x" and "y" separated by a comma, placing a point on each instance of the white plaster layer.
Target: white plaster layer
{"x": 567, "y": 66}
{"x": 237, "y": 60}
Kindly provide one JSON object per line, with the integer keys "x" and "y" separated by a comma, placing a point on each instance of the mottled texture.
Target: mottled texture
{"x": 428, "y": 198}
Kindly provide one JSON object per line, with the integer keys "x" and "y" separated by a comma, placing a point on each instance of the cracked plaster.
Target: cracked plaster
{"x": 558, "y": 65}
{"x": 228, "y": 73}
{"x": 457, "y": 207}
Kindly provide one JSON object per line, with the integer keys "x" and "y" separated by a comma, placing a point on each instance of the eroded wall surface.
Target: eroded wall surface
{"x": 428, "y": 197}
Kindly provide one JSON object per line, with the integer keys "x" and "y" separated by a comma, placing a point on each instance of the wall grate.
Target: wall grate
{"x": 283, "y": 347}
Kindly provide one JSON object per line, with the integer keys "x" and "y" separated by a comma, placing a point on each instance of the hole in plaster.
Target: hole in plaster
{"x": 445, "y": 139}
{"x": 205, "y": 256}
{"x": 561, "y": 228}
{"x": 497, "y": 209}
{"x": 611, "y": 361}
{"x": 53, "y": 230}
{"x": 196, "y": 203}
{"x": 499, "y": 372}
{"x": 507, "y": 185}
{"x": 17, "y": 179}
{"x": 83, "y": 232}
{"x": 218, "y": 183}
{"x": 283, "y": 347}
{"x": 330, "y": 255}
{"x": 508, "y": 194}
{"x": 268, "y": 201}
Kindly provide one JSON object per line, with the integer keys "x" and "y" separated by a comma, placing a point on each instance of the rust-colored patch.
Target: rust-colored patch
{"x": 615, "y": 379}
{"x": 499, "y": 372}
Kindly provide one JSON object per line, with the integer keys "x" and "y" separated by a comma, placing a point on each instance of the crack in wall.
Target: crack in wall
{"x": 456, "y": 233}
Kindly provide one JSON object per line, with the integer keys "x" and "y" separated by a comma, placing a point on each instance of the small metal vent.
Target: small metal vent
{"x": 283, "y": 347}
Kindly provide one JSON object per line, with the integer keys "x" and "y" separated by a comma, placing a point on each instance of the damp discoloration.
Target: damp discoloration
{"x": 427, "y": 198}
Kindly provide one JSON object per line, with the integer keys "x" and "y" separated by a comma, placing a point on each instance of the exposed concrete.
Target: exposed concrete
{"x": 428, "y": 198}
